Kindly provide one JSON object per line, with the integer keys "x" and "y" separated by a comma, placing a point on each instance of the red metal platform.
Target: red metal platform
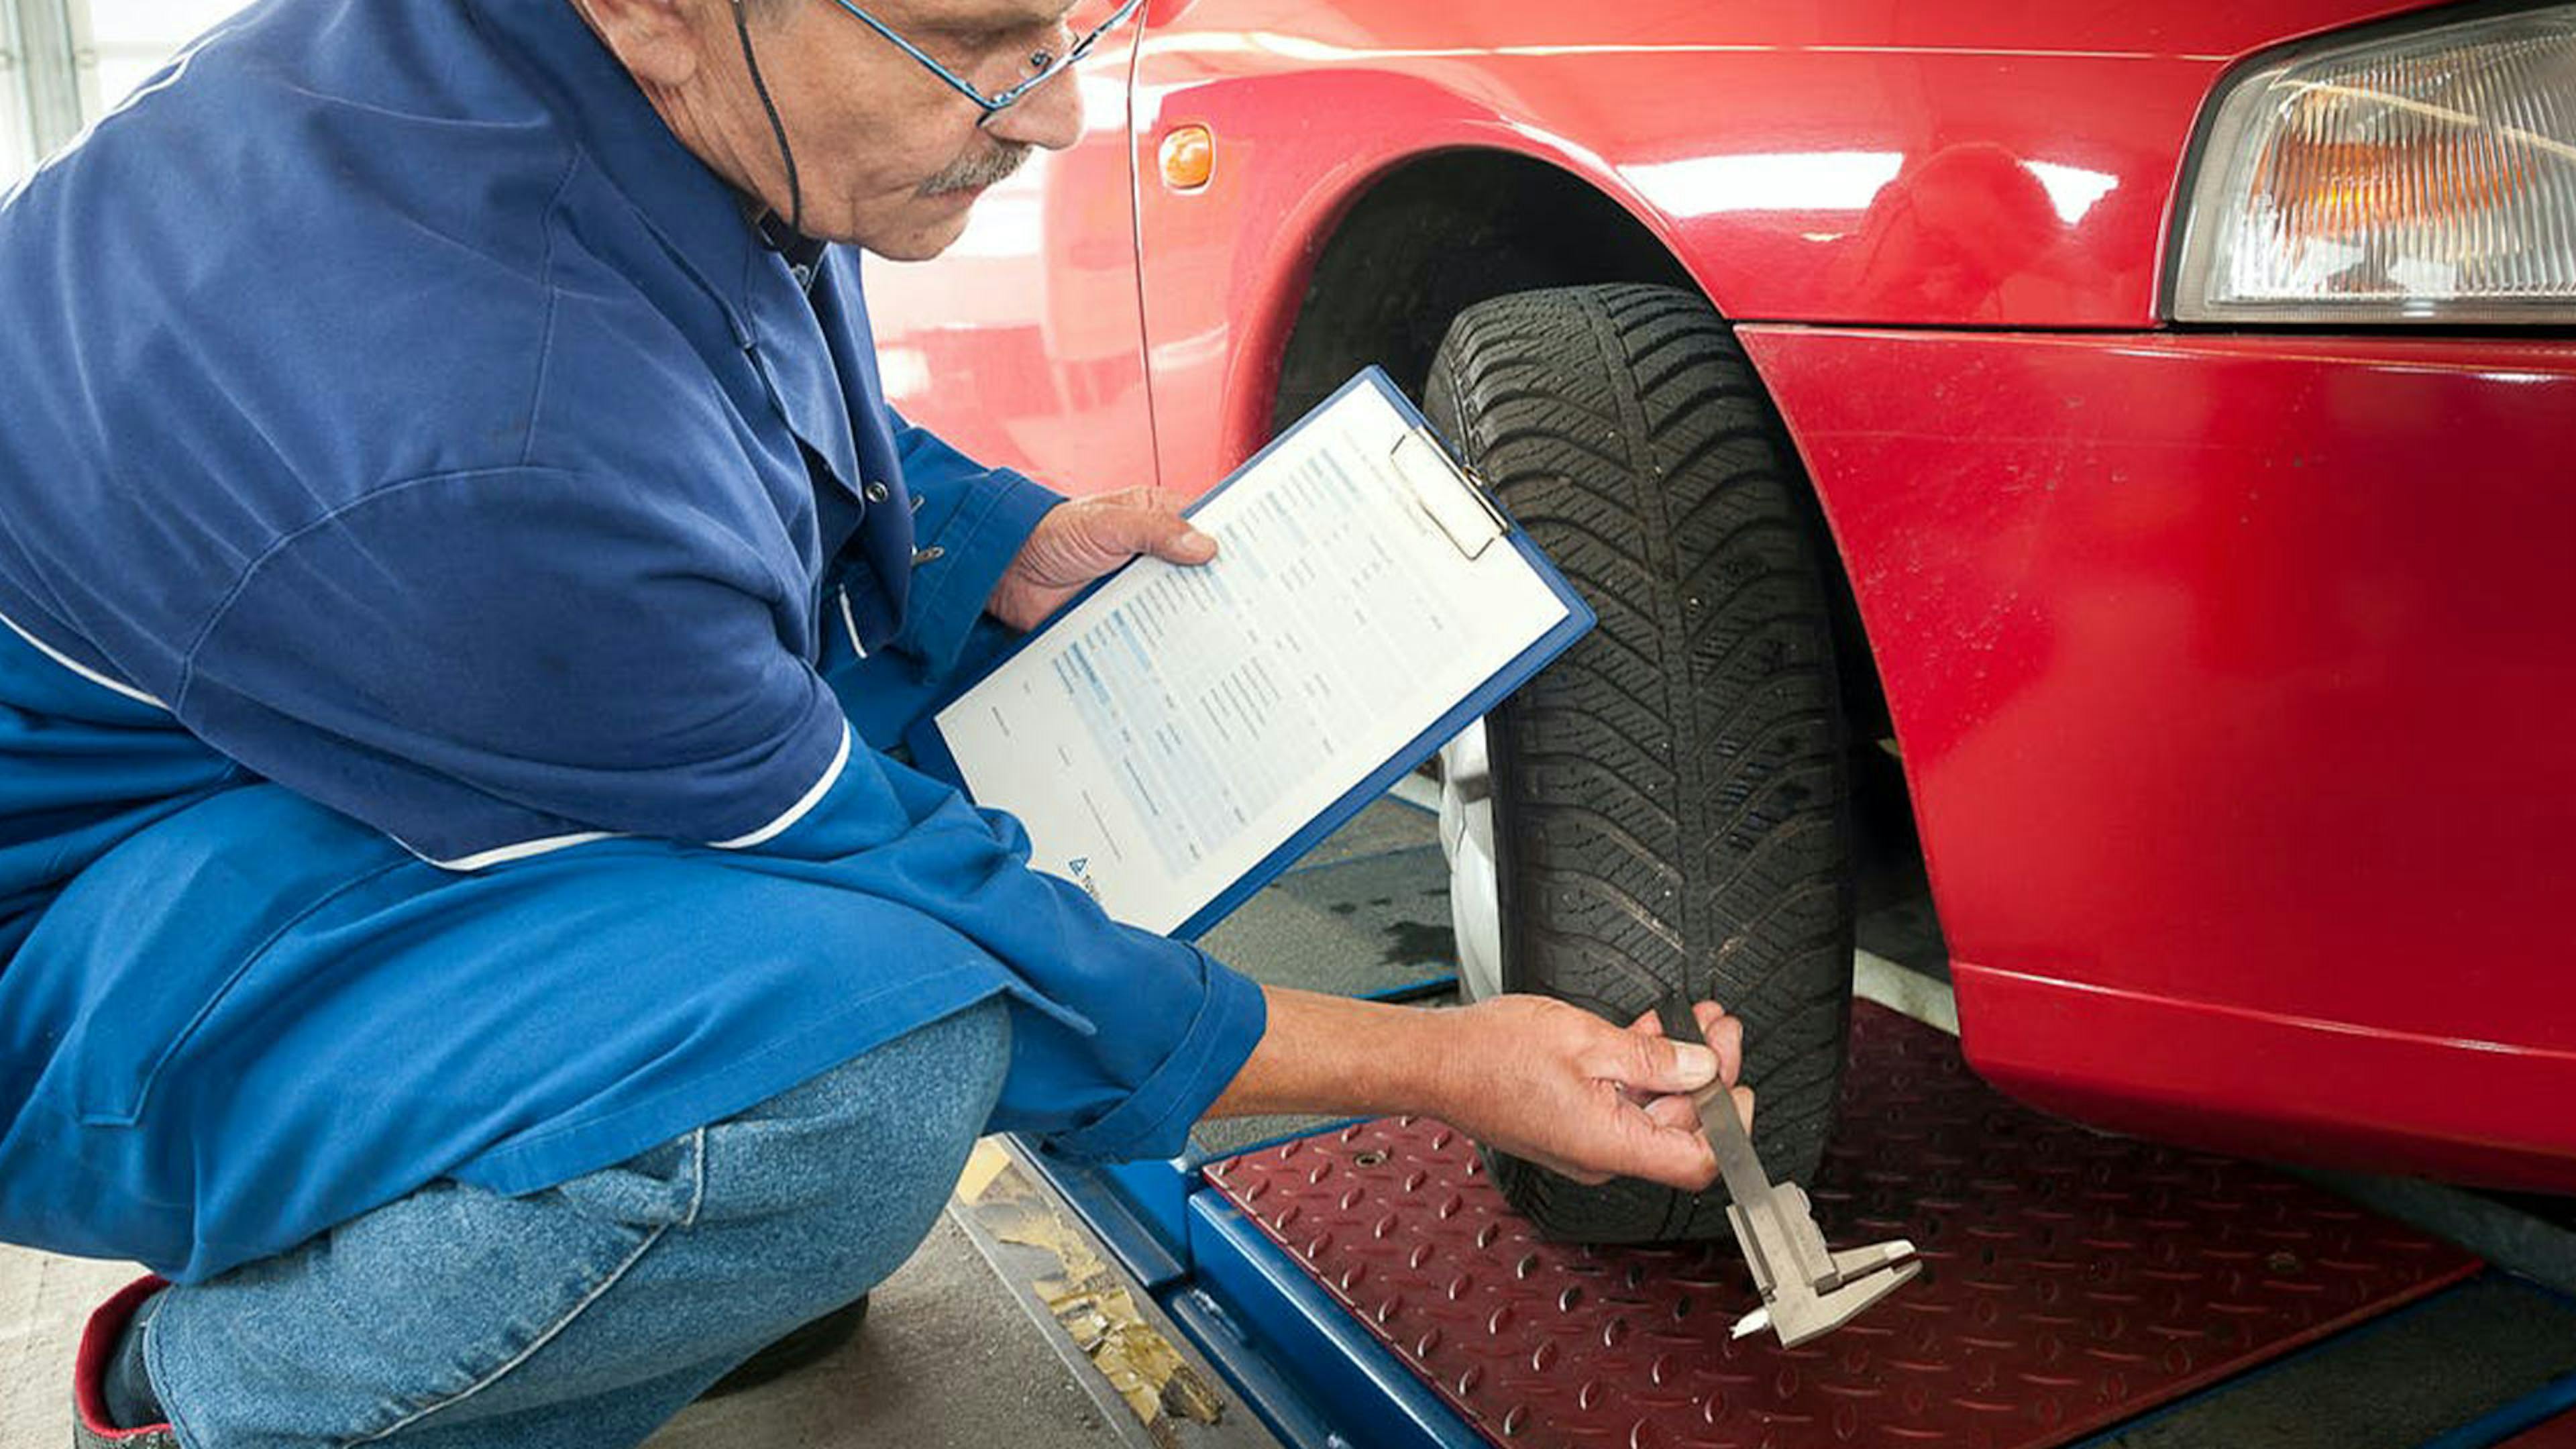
{"x": 2071, "y": 1280}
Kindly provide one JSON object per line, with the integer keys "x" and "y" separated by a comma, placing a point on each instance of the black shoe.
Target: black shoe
{"x": 793, "y": 1350}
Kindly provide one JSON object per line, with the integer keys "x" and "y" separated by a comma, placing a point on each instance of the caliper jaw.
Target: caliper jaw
{"x": 1799, "y": 1313}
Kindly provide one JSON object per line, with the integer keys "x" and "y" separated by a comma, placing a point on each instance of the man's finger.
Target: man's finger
{"x": 1725, "y": 1037}
{"x": 1722, "y": 1032}
{"x": 1678, "y": 1153}
{"x": 1675, "y": 1154}
{"x": 1184, "y": 545}
{"x": 1674, "y": 1109}
{"x": 1677, "y": 1109}
{"x": 1160, "y": 532}
{"x": 1650, "y": 1063}
{"x": 1138, "y": 495}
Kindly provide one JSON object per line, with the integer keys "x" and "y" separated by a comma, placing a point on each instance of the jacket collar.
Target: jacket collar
{"x": 700, "y": 219}
{"x": 697, "y": 215}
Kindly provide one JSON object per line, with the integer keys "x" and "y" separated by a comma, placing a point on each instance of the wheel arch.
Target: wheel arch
{"x": 1424, "y": 239}
{"x": 1431, "y": 236}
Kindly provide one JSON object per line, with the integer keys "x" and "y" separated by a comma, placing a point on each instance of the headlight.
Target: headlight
{"x": 2424, "y": 176}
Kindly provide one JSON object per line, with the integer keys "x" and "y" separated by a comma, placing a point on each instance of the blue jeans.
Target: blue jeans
{"x": 586, "y": 1314}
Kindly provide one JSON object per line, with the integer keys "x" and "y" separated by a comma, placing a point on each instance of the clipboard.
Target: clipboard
{"x": 1065, "y": 697}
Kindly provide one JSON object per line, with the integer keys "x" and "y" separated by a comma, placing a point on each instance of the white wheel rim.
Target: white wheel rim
{"x": 1467, "y": 839}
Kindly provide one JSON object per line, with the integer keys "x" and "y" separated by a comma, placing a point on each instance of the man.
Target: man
{"x": 460, "y": 577}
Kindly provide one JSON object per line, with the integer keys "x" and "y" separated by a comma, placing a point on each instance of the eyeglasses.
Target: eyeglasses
{"x": 1000, "y": 101}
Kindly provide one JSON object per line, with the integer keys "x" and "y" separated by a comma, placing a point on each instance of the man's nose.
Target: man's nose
{"x": 1049, "y": 116}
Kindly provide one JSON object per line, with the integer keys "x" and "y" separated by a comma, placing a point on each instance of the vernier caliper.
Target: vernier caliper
{"x": 1807, "y": 1289}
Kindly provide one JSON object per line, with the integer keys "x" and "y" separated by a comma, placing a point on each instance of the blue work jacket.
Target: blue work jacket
{"x": 458, "y": 590}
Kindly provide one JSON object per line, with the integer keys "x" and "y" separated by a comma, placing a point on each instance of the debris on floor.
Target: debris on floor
{"x": 1095, "y": 1309}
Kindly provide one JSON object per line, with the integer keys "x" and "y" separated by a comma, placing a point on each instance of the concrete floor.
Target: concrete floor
{"x": 947, "y": 1361}
{"x": 42, "y": 1301}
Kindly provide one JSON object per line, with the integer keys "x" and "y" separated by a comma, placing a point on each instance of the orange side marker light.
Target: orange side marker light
{"x": 1189, "y": 158}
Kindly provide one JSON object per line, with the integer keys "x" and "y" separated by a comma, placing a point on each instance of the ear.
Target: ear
{"x": 662, "y": 43}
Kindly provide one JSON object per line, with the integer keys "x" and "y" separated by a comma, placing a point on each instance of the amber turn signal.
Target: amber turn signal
{"x": 1189, "y": 158}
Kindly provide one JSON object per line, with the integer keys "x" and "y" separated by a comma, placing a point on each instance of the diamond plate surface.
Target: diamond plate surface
{"x": 2071, "y": 1280}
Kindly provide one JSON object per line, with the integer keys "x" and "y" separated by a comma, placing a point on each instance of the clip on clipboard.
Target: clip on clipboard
{"x": 1447, "y": 493}
{"x": 1174, "y": 738}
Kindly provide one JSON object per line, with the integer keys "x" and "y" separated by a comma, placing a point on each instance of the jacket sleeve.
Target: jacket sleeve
{"x": 499, "y": 664}
{"x": 977, "y": 518}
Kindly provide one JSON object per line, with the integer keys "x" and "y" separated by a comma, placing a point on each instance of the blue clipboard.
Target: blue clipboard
{"x": 930, "y": 751}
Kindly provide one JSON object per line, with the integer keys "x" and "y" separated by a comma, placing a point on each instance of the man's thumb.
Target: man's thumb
{"x": 1665, "y": 1065}
{"x": 1129, "y": 528}
{"x": 1183, "y": 544}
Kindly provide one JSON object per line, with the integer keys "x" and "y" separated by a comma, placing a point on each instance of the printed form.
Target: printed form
{"x": 1166, "y": 734}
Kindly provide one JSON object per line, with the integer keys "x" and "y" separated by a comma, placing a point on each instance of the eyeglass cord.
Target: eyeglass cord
{"x": 777, "y": 127}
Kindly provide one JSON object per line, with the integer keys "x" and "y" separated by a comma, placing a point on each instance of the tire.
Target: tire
{"x": 1671, "y": 799}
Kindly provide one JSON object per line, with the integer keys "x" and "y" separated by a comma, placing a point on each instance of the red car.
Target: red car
{"x": 2153, "y": 426}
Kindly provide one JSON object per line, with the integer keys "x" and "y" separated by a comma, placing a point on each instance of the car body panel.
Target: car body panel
{"x": 1952, "y": 194}
{"x": 2226, "y": 668}
{"x": 2229, "y": 674}
{"x": 1906, "y": 165}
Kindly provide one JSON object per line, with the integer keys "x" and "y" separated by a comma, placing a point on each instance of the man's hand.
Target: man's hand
{"x": 1081, "y": 540}
{"x": 1537, "y": 1078}
{"x": 1555, "y": 1085}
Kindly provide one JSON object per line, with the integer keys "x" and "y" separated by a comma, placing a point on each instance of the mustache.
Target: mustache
{"x": 981, "y": 169}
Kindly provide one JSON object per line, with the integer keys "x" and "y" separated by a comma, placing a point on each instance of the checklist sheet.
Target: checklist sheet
{"x": 1174, "y": 730}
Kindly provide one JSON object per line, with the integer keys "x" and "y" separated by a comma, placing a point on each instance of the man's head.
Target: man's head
{"x": 887, "y": 155}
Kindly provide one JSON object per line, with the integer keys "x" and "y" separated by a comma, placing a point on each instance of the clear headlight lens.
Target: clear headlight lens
{"x": 2424, "y": 176}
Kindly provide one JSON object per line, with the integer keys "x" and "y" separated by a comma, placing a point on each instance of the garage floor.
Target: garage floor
{"x": 947, "y": 1361}
{"x": 949, "y": 1358}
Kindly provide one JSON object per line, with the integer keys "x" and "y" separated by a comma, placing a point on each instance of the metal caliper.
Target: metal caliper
{"x": 1808, "y": 1290}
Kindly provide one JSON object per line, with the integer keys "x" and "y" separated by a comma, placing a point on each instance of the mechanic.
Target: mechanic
{"x": 463, "y": 926}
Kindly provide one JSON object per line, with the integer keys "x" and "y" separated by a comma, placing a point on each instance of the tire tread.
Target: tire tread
{"x": 1671, "y": 795}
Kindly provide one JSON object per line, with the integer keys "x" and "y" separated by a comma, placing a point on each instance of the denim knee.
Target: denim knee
{"x": 823, "y": 1190}
{"x": 898, "y": 1112}
{"x": 453, "y": 1318}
